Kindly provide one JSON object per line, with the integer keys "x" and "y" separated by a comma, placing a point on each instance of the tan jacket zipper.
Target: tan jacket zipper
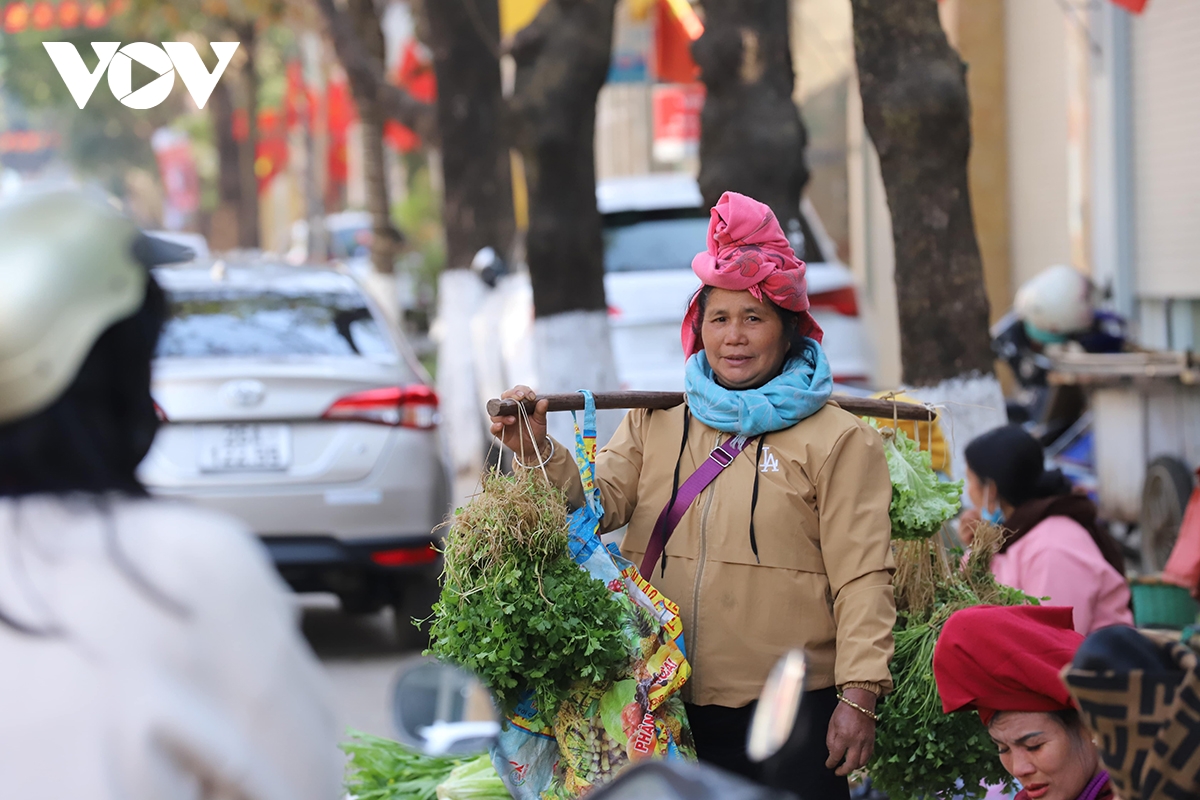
{"x": 695, "y": 634}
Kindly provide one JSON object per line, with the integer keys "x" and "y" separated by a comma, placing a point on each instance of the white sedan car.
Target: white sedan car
{"x": 288, "y": 402}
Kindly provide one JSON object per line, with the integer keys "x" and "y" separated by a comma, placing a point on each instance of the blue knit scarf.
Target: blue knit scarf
{"x": 798, "y": 392}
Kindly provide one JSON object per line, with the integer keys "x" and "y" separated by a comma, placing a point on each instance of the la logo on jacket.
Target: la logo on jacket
{"x": 769, "y": 462}
{"x": 165, "y": 61}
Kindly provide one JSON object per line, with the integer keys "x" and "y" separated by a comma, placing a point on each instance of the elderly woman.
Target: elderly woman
{"x": 1006, "y": 664}
{"x": 1053, "y": 544}
{"x": 788, "y": 546}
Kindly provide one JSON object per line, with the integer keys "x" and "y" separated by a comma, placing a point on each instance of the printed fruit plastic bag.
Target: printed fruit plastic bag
{"x": 602, "y": 728}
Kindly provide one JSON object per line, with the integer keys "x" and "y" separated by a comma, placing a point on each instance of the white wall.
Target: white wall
{"x": 1166, "y": 80}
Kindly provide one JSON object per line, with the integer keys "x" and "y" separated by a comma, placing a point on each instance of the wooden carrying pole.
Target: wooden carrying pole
{"x": 860, "y": 406}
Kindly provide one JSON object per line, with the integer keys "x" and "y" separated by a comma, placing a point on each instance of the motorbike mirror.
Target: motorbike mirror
{"x": 778, "y": 707}
{"x": 441, "y": 709}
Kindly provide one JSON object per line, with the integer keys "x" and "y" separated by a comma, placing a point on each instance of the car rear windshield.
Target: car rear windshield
{"x": 241, "y": 324}
{"x": 653, "y": 240}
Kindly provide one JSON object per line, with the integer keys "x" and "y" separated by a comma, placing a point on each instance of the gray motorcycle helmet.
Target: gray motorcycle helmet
{"x": 71, "y": 265}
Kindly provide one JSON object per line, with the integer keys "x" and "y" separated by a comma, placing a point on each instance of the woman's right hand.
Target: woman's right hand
{"x": 967, "y": 521}
{"x": 514, "y": 432}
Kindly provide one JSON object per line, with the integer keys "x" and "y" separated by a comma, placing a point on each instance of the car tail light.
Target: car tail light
{"x": 614, "y": 312}
{"x": 405, "y": 556}
{"x": 158, "y": 412}
{"x": 404, "y": 406}
{"x": 843, "y": 301}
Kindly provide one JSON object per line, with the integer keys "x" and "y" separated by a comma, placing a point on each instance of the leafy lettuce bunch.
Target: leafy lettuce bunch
{"x": 920, "y": 502}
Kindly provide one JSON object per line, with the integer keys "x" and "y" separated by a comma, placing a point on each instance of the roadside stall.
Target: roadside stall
{"x": 1144, "y": 415}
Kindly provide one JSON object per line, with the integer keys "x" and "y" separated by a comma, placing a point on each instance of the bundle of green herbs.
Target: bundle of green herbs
{"x": 515, "y": 609}
{"x": 921, "y": 752}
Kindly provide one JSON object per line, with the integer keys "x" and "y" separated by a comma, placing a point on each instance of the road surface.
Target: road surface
{"x": 363, "y": 661}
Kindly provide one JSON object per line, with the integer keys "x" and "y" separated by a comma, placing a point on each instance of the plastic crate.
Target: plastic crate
{"x": 1162, "y": 605}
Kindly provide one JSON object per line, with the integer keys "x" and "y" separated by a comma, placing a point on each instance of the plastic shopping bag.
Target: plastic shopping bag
{"x": 602, "y": 728}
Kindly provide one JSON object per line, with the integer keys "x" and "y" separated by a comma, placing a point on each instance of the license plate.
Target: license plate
{"x": 245, "y": 448}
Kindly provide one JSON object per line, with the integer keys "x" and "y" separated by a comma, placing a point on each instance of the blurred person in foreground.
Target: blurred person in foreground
{"x": 1053, "y": 544}
{"x": 147, "y": 648}
{"x": 1006, "y": 664}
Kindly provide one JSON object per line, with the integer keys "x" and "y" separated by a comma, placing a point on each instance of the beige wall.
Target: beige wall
{"x": 1036, "y": 73}
{"x": 872, "y": 255}
{"x": 1017, "y": 54}
{"x": 823, "y": 55}
{"x": 976, "y": 29}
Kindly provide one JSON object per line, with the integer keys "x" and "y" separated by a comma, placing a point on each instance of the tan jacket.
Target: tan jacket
{"x": 823, "y": 577}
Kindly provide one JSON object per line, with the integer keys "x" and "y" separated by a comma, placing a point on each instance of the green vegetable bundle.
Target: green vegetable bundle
{"x": 381, "y": 769}
{"x": 515, "y": 609}
{"x": 921, "y": 752}
{"x": 920, "y": 501}
{"x": 474, "y": 780}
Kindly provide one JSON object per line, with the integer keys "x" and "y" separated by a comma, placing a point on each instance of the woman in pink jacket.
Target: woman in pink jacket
{"x": 1053, "y": 546}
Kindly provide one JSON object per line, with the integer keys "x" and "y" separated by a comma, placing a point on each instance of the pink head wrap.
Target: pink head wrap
{"x": 748, "y": 251}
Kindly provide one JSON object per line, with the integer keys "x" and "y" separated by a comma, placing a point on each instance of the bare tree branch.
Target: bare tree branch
{"x": 367, "y": 76}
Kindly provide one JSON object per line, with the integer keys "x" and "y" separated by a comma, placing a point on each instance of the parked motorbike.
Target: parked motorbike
{"x": 441, "y": 709}
{"x": 1058, "y": 307}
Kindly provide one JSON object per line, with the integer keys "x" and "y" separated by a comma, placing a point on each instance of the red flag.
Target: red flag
{"x": 340, "y": 112}
{"x": 415, "y": 74}
{"x": 1136, "y": 6}
{"x": 299, "y": 101}
{"x": 271, "y": 151}
{"x": 673, "y": 48}
{"x": 16, "y": 17}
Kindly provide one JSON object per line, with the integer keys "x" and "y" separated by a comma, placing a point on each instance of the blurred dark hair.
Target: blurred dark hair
{"x": 791, "y": 320}
{"x": 92, "y": 438}
{"x": 1012, "y": 458}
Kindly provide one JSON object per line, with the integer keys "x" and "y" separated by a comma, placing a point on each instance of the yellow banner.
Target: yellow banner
{"x": 516, "y": 14}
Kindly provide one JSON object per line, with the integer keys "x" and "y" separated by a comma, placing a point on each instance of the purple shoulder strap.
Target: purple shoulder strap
{"x": 720, "y": 458}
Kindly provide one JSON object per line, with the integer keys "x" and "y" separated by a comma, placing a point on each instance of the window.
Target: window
{"x": 243, "y": 324}
{"x": 637, "y": 241}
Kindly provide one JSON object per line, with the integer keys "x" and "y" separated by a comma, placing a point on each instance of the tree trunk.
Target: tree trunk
{"x": 248, "y": 211}
{"x": 477, "y": 208}
{"x": 223, "y": 234}
{"x": 752, "y": 139}
{"x": 562, "y": 61}
{"x": 917, "y": 112}
{"x": 364, "y": 71}
{"x": 366, "y": 23}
